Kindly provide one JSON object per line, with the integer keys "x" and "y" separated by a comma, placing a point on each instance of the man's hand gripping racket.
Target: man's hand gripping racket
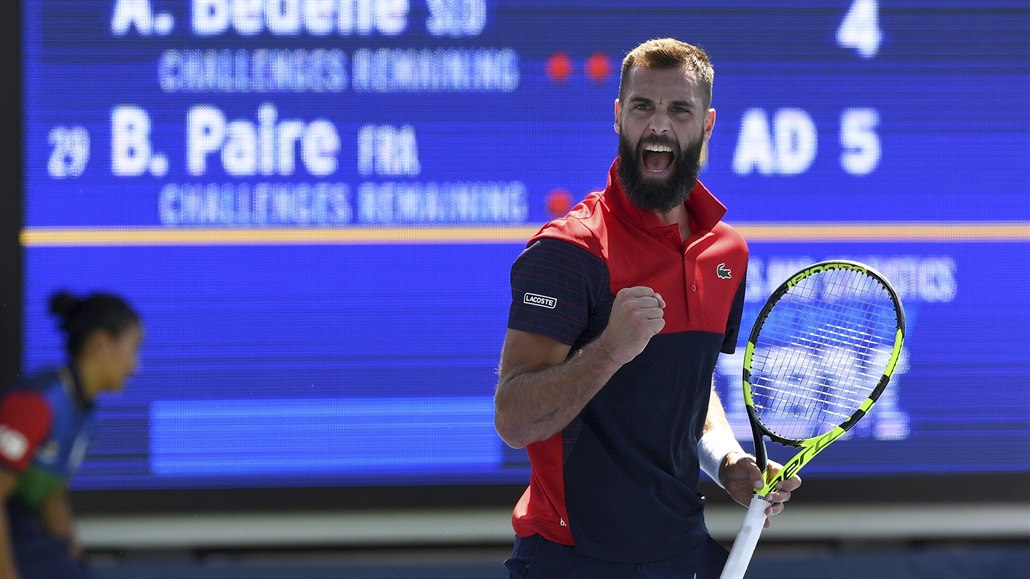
{"x": 820, "y": 354}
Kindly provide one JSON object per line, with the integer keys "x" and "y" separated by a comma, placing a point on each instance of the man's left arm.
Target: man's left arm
{"x": 735, "y": 470}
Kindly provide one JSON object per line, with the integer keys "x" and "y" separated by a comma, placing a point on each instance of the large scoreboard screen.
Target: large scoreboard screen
{"x": 314, "y": 204}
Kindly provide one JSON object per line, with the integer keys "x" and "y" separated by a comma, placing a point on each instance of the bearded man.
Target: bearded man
{"x": 619, "y": 311}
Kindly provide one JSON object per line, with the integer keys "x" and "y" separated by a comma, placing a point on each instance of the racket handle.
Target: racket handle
{"x": 747, "y": 539}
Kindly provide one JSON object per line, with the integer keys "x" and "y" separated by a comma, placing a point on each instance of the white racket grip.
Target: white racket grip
{"x": 747, "y": 539}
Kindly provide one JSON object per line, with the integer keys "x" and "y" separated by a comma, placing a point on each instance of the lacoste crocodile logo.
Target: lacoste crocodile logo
{"x": 723, "y": 272}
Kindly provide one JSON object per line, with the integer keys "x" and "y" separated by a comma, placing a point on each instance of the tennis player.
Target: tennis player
{"x": 46, "y": 421}
{"x": 619, "y": 311}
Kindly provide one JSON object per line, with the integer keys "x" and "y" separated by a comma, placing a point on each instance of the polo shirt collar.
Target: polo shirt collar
{"x": 704, "y": 209}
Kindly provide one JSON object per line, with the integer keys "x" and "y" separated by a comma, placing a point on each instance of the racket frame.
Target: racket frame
{"x": 812, "y": 446}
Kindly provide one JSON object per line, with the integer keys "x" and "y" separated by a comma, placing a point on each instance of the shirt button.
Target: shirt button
{"x": 693, "y": 288}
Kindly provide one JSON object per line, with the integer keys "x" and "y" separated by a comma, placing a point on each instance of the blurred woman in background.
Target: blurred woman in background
{"x": 46, "y": 422}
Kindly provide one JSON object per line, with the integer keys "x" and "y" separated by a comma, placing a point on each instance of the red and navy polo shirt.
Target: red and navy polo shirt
{"x": 620, "y": 481}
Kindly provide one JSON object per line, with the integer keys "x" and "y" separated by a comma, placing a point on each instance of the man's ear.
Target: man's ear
{"x": 709, "y": 124}
{"x": 618, "y": 109}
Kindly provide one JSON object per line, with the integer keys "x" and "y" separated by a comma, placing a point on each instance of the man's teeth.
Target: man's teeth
{"x": 658, "y": 148}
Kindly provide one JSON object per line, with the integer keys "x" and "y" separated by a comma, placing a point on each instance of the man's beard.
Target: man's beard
{"x": 653, "y": 195}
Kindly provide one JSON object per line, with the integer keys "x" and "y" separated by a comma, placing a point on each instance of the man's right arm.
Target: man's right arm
{"x": 541, "y": 388}
{"x": 539, "y": 391}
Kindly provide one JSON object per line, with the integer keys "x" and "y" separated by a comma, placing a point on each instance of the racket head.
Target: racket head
{"x": 821, "y": 352}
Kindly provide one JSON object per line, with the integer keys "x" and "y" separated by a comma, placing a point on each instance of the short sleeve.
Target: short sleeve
{"x": 25, "y": 420}
{"x": 556, "y": 289}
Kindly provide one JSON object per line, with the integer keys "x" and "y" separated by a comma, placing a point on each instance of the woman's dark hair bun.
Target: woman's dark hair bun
{"x": 78, "y": 317}
{"x": 62, "y": 303}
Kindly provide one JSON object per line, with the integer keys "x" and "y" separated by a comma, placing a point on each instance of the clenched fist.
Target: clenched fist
{"x": 636, "y": 316}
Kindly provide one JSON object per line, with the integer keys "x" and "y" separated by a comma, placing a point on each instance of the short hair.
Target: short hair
{"x": 665, "y": 53}
{"x": 80, "y": 317}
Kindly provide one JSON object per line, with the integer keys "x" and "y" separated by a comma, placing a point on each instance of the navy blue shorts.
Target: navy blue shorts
{"x": 537, "y": 558}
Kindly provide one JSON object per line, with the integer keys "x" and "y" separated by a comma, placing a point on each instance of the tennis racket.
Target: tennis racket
{"x": 820, "y": 354}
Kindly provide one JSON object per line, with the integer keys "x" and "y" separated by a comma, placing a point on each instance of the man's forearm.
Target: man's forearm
{"x": 717, "y": 439}
{"x": 534, "y": 405}
{"x": 716, "y": 417}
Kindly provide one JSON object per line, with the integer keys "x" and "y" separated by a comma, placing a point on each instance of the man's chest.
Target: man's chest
{"x": 697, "y": 280}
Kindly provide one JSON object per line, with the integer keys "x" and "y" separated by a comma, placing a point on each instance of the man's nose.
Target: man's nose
{"x": 659, "y": 123}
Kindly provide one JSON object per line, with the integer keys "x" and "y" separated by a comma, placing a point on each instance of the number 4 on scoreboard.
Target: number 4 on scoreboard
{"x": 860, "y": 28}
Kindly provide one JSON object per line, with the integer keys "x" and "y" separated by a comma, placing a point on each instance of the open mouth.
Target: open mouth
{"x": 657, "y": 159}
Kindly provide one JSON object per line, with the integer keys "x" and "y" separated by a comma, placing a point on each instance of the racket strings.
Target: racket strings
{"x": 821, "y": 352}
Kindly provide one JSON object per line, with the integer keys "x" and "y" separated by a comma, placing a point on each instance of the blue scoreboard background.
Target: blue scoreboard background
{"x": 314, "y": 204}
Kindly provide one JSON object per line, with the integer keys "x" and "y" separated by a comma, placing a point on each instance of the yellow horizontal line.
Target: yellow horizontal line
{"x": 753, "y": 232}
{"x": 52, "y": 236}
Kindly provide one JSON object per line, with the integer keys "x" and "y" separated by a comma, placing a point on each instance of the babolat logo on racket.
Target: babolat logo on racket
{"x": 539, "y": 300}
{"x": 812, "y": 448}
{"x": 820, "y": 268}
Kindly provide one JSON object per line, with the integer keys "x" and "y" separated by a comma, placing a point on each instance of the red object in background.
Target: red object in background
{"x": 599, "y": 67}
{"x": 559, "y": 67}
{"x": 558, "y": 202}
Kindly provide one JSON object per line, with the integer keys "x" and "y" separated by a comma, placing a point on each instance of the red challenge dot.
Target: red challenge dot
{"x": 559, "y": 67}
{"x": 599, "y": 67}
{"x": 558, "y": 202}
